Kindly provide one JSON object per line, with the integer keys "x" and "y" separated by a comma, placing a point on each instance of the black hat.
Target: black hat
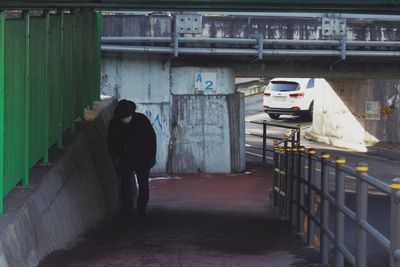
{"x": 124, "y": 108}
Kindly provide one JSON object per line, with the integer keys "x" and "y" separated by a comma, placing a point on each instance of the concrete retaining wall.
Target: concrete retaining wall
{"x": 341, "y": 113}
{"x": 62, "y": 201}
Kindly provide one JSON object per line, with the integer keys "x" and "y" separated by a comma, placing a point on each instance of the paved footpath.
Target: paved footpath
{"x": 194, "y": 220}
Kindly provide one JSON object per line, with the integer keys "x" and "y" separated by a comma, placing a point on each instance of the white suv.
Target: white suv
{"x": 289, "y": 96}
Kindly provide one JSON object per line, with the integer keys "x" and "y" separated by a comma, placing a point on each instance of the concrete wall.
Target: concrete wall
{"x": 340, "y": 112}
{"x": 145, "y": 80}
{"x": 62, "y": 201}
{"x": 196, "y": 131}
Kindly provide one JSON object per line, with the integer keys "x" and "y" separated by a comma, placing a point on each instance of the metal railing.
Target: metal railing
{"x": 294, "y": 136}
{"x": 258, "y": 46}
{"x": 297, "y": 191}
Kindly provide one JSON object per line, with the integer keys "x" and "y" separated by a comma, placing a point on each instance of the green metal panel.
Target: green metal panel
{"x": 14, "y": 103}
{"x": 2, "y": 110}
{"x": 68, "y": 114}
{"x": 96, "y": 93}
{"x": 46, "y": 92}
{"x": 37, "y": 87}
{"x": 54, "y": 76}
{"x": 49, "y": 72}
{"x": 78, "y": 70}
{"x": 25, "y": 180}
{"x": 90, "y": 48}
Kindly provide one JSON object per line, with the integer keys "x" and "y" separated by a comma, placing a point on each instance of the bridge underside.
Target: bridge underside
{"x": 370, "y": 6}
{"x": 330, "y": 67}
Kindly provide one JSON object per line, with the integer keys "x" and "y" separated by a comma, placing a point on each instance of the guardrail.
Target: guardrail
{"x": 294, "y": 137}
{"x": 297, "y": 189}
{"x": 258, "y": 46}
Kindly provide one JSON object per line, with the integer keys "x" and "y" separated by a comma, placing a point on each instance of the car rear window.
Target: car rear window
{"x": 282, "y": 86}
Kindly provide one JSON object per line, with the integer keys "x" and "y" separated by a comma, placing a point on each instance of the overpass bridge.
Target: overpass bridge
{"x": 46, "y": 57}
{"x": 327, "y": 45}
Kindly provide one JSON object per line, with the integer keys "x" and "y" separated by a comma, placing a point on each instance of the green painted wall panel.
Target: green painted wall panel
{"x": 14, "y": 103}
{"x": 69, "y": 69}
{"x": 54, "y": 79}
{"x": 37, "y": 86}
{"x": 68, "y": 66}
{"x": 79, "y": 67}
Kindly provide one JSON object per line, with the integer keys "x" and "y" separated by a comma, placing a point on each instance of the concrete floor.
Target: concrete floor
{"x": 194, "y": 220}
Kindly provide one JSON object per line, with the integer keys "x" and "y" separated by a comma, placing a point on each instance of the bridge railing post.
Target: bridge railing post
{"x": 293, "y": 186}
{"x": 286, "y": 187}
{"x": 281, "y": 198}
{"x": 275, "y": 194}
{"x": 264, "y": 146}
{"x": 300, "y": 189}
{"x": 339, "y": 220}
{"x": 311, "y": 195}
{"x": 395, "y": 224}
{"x": 298, "y": 135}
{"x": 324, "y": 209}
{"x": 361, "y": 215}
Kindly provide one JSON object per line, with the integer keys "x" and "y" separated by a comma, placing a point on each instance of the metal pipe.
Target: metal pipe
{"x": 306, "y": 15}
{"x": 137, "y": 49}
{"x": 245, "y": 52}
{"x": 272, "y": 14}
{"x": 372, "y": 53}
{"x": 135, "y": 39}
{"x": 373, "y": 43}
{"x": 376, "y": 234}
{"x": 250, "y": 41}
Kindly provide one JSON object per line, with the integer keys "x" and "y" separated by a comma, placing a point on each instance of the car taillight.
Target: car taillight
{"x": 267, "y": 94}
{"x": 297, "y": 95}
{"x": 265, "y": 106}
{"x": 295, "y": 108}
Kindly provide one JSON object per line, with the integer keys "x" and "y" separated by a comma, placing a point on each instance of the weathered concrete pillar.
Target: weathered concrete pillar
{"x": 146, "y": 81}
{"x": 198, "y": 129}
{"x": 207, "y": 133}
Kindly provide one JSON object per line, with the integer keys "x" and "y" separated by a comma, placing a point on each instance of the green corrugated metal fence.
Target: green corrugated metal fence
{"x": 49, "y": 73}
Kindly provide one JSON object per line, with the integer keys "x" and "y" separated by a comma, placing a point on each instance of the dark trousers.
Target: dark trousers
{"x": 126, "y": 190}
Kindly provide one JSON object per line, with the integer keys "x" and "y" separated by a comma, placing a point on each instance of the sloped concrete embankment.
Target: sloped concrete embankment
{"x": 75, "y": 192}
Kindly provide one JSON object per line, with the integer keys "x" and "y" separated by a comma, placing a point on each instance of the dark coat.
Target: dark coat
{"x": 132, "y": 143}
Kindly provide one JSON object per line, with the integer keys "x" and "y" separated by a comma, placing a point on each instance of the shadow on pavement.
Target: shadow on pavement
{"x": 194, "y": 220}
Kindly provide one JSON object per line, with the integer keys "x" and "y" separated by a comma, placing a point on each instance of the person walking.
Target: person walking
{"x": 132, "y": 147}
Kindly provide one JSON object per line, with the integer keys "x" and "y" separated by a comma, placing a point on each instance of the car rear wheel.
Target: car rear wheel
{"x": 310, "y": 112}
{"x": 274, "y": 116}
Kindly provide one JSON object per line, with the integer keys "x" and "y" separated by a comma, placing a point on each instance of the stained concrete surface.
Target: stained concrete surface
{"x": 194, "y": 220}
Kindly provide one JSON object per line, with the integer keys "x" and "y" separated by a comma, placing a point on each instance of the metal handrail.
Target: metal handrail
{"x": 296, "y": 195}
{"x": 251, "y": 41}
{"x": 257, "y": 46}
{"x": 293, "y": 136}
